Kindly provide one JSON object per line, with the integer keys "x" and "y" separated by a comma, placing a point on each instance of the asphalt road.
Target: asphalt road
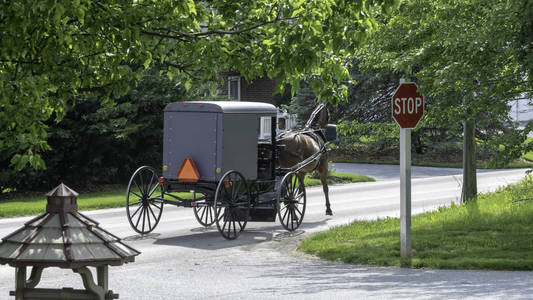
{"x": 181, "y": 260}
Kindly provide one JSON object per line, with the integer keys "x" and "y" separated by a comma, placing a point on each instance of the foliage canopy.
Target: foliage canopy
{"x": 53, "y": 50}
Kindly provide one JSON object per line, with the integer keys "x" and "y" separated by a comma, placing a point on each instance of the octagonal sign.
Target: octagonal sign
{"x": 407, "y": 105}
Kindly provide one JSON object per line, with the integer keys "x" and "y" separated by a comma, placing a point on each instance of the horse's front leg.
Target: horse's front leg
{"x": 323, "y": 172}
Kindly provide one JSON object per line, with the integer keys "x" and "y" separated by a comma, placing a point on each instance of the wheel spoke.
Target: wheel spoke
{"x": 291, "y": 184}
{"x": 152, "y": 212}
{"x": 224, "y": 227}
{"x": 149, "y": 186}
{"x": 143, "y": 191}
{"x": 285, "y": 214}
{"x": 158, "y": 207}
{"x": 287, "y": 218}
{"x": 140, "y": 215}
{"x": 140, "y": 197}
{"x": 153, "y": 190}
{"x": 291, "y": 216}
{"x": 296, "y": 208}
{"x": 137, "y": 185}
{"x": 203, "y": 213}
{"x": 236, "y": 190}
{"x": 220, "y": 215}
{"x": 136, "y": 211}
{"x": 229, "y": 226}
{"x": 145, "y": 184}
{"x": 135, "y": 203}
{"x": 148, "y": 217}
{"x": 144, "y": 217}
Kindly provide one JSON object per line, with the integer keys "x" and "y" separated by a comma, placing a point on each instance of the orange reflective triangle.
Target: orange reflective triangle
{"x": 188, "y": 171}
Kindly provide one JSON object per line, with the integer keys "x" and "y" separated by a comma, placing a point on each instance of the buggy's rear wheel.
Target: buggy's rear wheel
{"x": 232, "y": 205}
{"x": 291, "y": 201}
{"x": 144, "y": 200}
{"x": 205, "y": 214}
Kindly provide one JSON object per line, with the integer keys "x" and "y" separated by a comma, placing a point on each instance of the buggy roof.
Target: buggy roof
{"x": 226, "y": 107}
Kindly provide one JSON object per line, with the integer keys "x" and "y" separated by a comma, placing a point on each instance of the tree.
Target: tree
{"x": 101, "y": 142}
{"x": 52, "y": 51}
{"x": 467, "y": 55}
{"x": 368, "y": 97}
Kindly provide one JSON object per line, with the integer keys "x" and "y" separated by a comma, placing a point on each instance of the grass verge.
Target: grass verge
{"x": 35, "y": 205}
{"x": 495, "y": 232}
{"x": 338, "y": 178}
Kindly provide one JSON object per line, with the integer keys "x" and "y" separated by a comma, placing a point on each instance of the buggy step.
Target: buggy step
{"x": 260, "y": 214}
{"x": 269, "y": 197}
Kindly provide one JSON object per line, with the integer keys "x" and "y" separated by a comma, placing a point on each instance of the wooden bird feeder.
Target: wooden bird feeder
{"x": 62, "y": 237}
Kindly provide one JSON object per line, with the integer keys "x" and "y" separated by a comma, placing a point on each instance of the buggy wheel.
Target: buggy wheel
{"x": 291, "y": 201}
{"x": 232, "y": 205}
{"x": 144, "y": 200}
{"x": 205, "y": 215}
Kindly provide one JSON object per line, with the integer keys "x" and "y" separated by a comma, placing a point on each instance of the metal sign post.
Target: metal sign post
{"x": 407, "y": 110}
{"x": 405, "y": 192}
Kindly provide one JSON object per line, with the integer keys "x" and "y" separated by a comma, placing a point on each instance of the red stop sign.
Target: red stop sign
{"x": 407, "y": 105}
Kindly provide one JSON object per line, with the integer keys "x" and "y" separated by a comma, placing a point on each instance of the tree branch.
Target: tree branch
{"x": 179, "y": 67}
{"x": 183, "y": 36}
{"x": 23, "y": 62}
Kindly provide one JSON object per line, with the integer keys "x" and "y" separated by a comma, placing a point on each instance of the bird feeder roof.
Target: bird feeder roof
{"x": 62, "y": 237}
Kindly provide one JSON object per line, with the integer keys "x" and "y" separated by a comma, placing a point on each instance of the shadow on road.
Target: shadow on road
{"x": 210, "y": 239}
{"x": 318, "y": 277}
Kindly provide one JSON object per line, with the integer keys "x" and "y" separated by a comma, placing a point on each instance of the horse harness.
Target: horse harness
{"x": 316, "y": 134}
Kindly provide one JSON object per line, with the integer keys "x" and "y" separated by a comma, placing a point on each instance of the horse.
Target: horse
{"x": 299, "y": 145}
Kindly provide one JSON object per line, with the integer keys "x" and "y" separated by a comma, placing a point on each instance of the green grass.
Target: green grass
{"x": 37, "y": 205}
{"x": 345, "y": 177}
{"x": 529, "y": 155}
{"x": 494, "y": 232}
{"x": 117, "y": 198}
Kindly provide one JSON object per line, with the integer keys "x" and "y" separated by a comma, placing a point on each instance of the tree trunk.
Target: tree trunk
{"x": 469, "y": 162}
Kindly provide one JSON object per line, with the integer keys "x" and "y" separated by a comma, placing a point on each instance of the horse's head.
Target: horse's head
{"x": 319, "y": 117}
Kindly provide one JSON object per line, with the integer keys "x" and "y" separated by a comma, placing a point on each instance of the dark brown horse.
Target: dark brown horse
{"x": 299, "y": 145}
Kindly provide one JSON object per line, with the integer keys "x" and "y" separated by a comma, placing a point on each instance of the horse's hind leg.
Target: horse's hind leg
{"x": 323, "y": 172}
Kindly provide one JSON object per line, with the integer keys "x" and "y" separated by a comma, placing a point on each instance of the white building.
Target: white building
{"x": 522, "y": 111}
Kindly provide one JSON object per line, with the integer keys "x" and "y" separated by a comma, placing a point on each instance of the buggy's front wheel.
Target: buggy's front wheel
{"x": 291, "y": 201}
{"x": 144, "y": 200}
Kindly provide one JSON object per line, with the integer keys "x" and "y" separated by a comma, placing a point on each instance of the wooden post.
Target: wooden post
{"x": 469, "y": 190}
{"x": 20, "y": 282}
{"x": 103, "y": 277}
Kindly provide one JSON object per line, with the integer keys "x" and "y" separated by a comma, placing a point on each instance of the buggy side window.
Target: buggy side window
{"x": 265, "y": 128}
{"x": 281, "y": 124}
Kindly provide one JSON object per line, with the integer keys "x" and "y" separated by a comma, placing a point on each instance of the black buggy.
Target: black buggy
{"x": 221, "y": 159}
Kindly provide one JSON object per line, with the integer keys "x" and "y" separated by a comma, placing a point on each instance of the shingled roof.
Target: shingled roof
{"x": 62, "y": 237}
